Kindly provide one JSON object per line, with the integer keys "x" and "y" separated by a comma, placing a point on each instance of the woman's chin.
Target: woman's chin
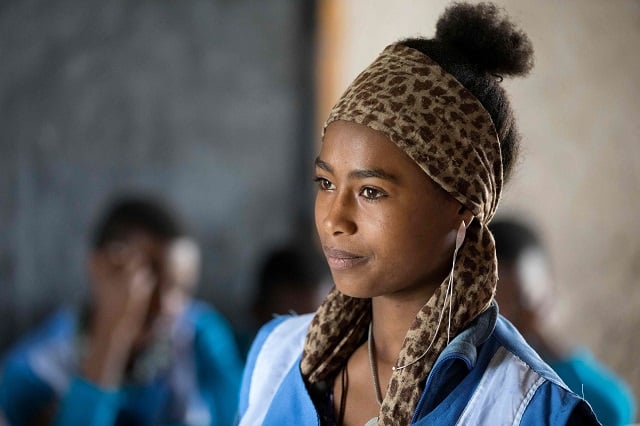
{"x": 358, "y": 292}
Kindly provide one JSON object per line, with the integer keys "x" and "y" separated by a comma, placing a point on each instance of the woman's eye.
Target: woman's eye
{"x": 324, "y": 184}
{"x": 372, "y": 193}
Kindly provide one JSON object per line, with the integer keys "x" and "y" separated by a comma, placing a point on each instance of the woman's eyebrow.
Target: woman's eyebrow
{"x": 323, "y": 165}
{"x": 373, "y": 173}
{"x": 360, "y": 173}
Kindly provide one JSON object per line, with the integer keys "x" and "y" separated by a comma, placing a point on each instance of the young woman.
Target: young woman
{"x": 409, "y": 175}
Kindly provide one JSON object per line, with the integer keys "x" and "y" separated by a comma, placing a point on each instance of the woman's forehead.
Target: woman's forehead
{"x": 352, "y": 143}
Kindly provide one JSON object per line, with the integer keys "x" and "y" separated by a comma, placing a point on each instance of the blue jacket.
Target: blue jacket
{"x": 608, "y": 395}
{"x": 486, "y": 375}
{"x": 199, "y": 386}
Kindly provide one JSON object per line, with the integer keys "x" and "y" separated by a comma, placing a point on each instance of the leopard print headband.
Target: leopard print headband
{"x": 435, "y": 120}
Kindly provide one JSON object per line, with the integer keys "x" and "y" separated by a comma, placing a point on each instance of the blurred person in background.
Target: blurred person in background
{"x": 525, "y": 295}
{"x": 288, "y": 283}
{"x": 142, "y": 351}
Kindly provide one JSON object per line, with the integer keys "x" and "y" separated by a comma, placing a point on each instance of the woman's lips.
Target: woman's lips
{"x": 341, "y": 260}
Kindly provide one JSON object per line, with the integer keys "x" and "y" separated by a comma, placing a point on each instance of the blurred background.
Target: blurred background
{"x": 205, "y": 103}
{"x": 217, "y": 105}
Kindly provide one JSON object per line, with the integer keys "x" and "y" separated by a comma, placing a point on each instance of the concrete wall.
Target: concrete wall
{"x": 579, "y": 177}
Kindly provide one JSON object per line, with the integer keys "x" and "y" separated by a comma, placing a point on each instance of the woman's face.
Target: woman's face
{"x": 385, "y": 227}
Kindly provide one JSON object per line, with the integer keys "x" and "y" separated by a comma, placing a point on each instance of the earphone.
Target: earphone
{"x": 460, "y": 234}
{"x": 462, "y": 231}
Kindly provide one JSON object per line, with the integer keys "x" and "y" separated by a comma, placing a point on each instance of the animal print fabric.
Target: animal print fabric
{"x": 435, "y": 120}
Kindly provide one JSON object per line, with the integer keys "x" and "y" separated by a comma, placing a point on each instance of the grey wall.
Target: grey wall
{"x": 204, "y": 102}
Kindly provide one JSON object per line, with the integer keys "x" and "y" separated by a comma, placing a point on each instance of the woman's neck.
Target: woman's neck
{"x": 392, "y": 317}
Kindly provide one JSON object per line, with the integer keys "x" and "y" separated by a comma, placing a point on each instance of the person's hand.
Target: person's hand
{"x": 123, "y": 283}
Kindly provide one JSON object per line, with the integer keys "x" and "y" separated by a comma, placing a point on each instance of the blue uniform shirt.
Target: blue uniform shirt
{"x": 486, "y": 375}
{"x": 198, "y": 386}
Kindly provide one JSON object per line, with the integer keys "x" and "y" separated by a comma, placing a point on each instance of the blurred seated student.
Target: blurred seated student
{"x": 142, "y": 351}
{"x": 288, "y": 283}
{"x": 525, "y": 295}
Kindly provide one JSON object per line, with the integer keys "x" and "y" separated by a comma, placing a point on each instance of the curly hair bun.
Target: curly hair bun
{"x": 484, "y": 34}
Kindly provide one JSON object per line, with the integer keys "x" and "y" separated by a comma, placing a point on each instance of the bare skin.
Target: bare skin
{"x": 388, "y": 233}
{"x": 123, "y": 283}
{"x": 137, "y": 283}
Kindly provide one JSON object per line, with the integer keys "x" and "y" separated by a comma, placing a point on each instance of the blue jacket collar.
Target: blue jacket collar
{"x": 456, "y": 361}
{"x": 465, "y": 345}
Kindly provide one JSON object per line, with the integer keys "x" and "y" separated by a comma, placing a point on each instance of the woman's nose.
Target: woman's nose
{"x": 338, "y": 215}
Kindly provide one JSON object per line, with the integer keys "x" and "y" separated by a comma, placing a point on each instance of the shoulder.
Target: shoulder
{"x": 50, "y": 346}
{"x": 509, "y": 338}
{"x": 204, "y": 318}
{"x": 205, "y": 326}
{"x": 58, "y": 327}
{"x": 523, "y": 384}
{"x": 210, "y": 335}
{"x": 608, "y": 394}
{"x": 281, "y": 338}
{"x": 284, "y": 333}
{"x": 278, "y": 343}
{"x": 40, "y": 365}
{"x": 273, "y": 353}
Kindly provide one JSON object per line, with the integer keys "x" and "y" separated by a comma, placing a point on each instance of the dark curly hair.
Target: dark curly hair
{"x": 478, "y": 45}
{"x": 128, "y": 213}
{"x": 513, "y": 237}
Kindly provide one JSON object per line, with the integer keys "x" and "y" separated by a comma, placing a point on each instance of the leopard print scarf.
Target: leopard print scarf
{"x": 435, "y": 120}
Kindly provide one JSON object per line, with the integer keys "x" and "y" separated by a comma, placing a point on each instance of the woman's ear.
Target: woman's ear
{"x": 465, "y": 215}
